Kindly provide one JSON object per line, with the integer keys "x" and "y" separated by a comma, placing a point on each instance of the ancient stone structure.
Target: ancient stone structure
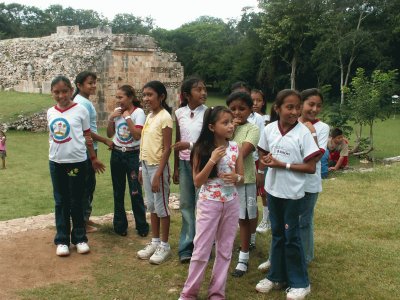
{"x": 29, "y": 64}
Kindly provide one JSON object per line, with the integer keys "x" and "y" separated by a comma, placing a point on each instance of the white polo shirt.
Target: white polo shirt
{"x": 189, "y": 127}
{"x": 295, "y": 146}
{"x": 92, "y": 114}
{"x": 123, "y": 136}
{"x": 66, "y": 127}
{"x": 313, "y": 181}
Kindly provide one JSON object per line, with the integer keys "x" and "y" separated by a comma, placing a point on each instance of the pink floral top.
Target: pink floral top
{"x": 215, "y": 189}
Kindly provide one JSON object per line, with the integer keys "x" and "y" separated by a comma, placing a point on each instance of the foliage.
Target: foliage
{"x": 128, "y": 23}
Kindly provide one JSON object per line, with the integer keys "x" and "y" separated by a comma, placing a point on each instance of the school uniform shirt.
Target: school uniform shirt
{"x": 92, "y": 114}
{"x": 313, "y": 181}
{"x": 190, "y": 124}
{"x": 342, "y": 148}
{"x": 248, "y": 133}
{"x": 294, "y": 146}
{"x": 151, "y": 143}
{"x": 123, "y": 136}
{"x": 66, "y": 128}
{"x": 258, "y": 120}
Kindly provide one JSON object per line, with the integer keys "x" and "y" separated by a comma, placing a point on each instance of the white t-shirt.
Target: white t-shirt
{"x": 189, "y": 127}
{"x": 295, "y": 146}
{"x": 123, "y": 136}
{"x": 66, "y": 127}
{"x": 92, "y": 114}
{"x": 258, "y": 120}
{"x": 313, "y": 181}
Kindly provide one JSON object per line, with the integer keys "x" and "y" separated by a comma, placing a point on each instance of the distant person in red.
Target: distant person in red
{"x": 338, "y": 150}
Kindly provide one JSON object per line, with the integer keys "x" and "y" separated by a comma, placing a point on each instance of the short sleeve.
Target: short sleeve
{"x": 85, "y": 119}
{"x": 253, "y": 135}
{"x": 345, "y": 149}
{"x": 263, "y": 143}
{"x": 166, "y": 121}
{"x": 138, "y": 117}
{"x": 310, "y": 147}
{"x": 323, "y": 138}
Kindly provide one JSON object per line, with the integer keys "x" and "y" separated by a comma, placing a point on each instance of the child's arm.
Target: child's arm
{"x": 167, "y": 140}
{"x": 200, "y": 177}
{"x": 96, "y": 163}
{"x": 99, "y": 138}
{"x": 111, "y": 123}
{"x": 305, "y": 167}
{"x": 135, "y": 131}
{"x": 175, "y": 177}
{"x": 236, "y": 176}
{"x": 338, "y": 164}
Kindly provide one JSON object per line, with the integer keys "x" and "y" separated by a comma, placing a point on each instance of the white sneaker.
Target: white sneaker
{"x": 264, "y": 226}
{"x": 82, "y": 248}
{"x": 265, "y": 266}
{"x": 266, "y": 285}
{"x": 160, "y": 255}
{"x": 62, "y": 250}
{"x": 297, "y": 293}
{"x": 148, "y": 251}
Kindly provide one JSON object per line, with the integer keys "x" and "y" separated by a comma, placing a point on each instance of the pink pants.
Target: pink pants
{"x": 215, "y": 221}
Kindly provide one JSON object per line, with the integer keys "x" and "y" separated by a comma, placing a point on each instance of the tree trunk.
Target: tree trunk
{"x": 293, "y": 73}
{"x": 358, "y": 140}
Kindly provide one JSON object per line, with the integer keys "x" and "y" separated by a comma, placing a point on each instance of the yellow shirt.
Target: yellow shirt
{"x": 151, "y": 142}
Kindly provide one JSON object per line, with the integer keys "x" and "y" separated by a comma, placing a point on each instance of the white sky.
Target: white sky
{"x": 168, "y": 14}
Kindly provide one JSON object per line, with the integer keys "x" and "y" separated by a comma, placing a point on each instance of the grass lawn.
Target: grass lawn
{"x": 357, "y": 233}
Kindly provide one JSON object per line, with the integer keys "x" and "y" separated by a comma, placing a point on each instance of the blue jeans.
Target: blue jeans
{"x": 307, "y": 204}
{"x": 68, "y": 188}
{"x": 287, "y": 256}
{"x": 125, "y": 166}
{"x": 90, "y": 186}
{"x": 187, "y": 206}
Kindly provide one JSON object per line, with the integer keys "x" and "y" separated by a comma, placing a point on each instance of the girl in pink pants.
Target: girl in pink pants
{"x": 217, "y": 169}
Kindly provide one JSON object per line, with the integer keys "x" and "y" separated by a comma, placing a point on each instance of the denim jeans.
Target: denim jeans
{"x": 287, "y": 256}
{"x": 125, "y": 166}
{"x": 307, "y": 205}
{"x": 188, "y": 199}
{"x": 68, "y": 188}
{"x": 90, "y": 186}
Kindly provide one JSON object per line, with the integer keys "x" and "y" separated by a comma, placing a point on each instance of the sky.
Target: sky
{"x": 168, "y": 14}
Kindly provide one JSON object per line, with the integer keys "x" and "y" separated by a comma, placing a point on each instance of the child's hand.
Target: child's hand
{"x": 155, "y": 184}
{"x": 218, "y": 153}
{"x": 178, "y": 146}
{"x": 140, "y": 177}
{"x": 126, "y": 114}
{"x": 236, "y": 122}
{"x": 270, "y": 161}
{"x": 116, "y": 113}
{"x": 98, "y": 166}
{"x": 229, "y": 178}
{"x": 310, "y": 126}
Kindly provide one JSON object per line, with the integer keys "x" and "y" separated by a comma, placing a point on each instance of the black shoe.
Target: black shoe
{"x": 240, "y": 273}
{"x": 143, "y": 234}
{"x": 185, "y": 259}
{"x": 123, "y": 233}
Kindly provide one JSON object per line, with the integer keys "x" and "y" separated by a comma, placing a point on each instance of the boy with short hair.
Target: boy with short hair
{"x": 338, "y": 147}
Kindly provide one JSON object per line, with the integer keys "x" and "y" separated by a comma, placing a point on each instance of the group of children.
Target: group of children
{"x": 224, "y": 158}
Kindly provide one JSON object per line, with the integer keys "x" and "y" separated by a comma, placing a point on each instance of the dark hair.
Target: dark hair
{"x": 240, "y": 85}
{"x": 130, "y": 92}
{"x": 264, "y": 106}
{"x": 205, "y": 143}
{"x": 60, "y": 78}
{"x": 309, "y": 93}
{"x": 240, "y": 96}
{"x": 80, "y": 79}
{"x": 160, "y": 89}
{"x": 186, "y": 88}
{"x": 336, "y": 132}
{"x": 279, "y": 100}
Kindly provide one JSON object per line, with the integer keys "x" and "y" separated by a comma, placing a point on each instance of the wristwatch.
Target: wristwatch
{"x": 238, "y": 178}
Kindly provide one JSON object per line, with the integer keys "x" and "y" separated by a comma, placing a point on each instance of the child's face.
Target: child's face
{"x": 258, "y": 102}
{"x": 240, "y": 111}
{"x": 62, "y": 93}
{"x": 123, "y": 100}
{"x": 88, "y": 87}
{"x": 151, "y": 99}
{"x": 198, "y": 94}
{"x": 311, "y": 108}
{"x": 223, "y": 127}
{"x": 290, "y": 110}
{"x": 338, "y": 140}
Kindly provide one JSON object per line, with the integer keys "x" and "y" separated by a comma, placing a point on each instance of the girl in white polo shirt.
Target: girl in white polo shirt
{"x": 69, "y": 139}
{"x": 288, "y": 149}
{"x": 125, "y": 126}
{"x": 189, "y": 120}
{"x": 155, "y": 148}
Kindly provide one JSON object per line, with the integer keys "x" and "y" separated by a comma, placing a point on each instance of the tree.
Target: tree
{"x": 369, "y": 99}
{"x": 128, "y": 23}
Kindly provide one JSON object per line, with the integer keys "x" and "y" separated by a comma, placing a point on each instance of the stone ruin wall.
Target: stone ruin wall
{"x": 29, "y": 64}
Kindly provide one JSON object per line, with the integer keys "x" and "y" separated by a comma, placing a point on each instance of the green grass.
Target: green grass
{"x": 14, "y": 104}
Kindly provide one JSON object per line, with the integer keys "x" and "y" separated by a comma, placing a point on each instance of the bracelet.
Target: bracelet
{"x": 260, "y": 171}
{"x": 287, "y": 166}
{"x": 127, "y": 117}
{"x": 314, "y": 134}
{"x": 212, "y": 161}
{"x": 140, "y": 168}
{"x": 190, "y": 146}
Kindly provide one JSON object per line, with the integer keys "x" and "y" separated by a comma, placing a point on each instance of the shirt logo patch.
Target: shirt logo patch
{"x": 60, "y": 130}
{"x": 123, "y": 134}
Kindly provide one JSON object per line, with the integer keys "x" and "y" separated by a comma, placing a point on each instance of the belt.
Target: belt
{"x": 126, "y": 149}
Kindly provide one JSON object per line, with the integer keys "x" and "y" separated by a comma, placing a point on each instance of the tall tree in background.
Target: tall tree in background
{"x": 128, "y": 23}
